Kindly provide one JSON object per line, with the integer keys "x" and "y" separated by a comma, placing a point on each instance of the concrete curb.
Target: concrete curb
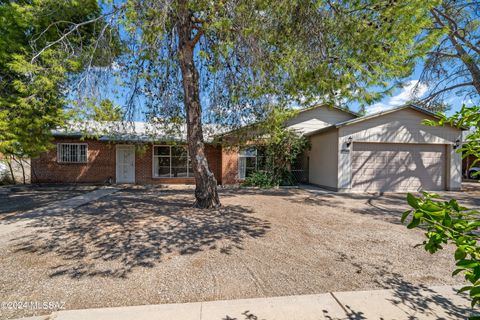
{"x": 440, "y": 302}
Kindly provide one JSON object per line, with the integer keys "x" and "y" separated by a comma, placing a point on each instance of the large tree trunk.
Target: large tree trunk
{"x": 205, "y": 183}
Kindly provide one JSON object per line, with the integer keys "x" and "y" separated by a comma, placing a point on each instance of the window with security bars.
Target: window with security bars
{"x": 72, "y": 152}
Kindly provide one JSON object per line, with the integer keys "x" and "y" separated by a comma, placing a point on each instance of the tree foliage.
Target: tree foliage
{"x": 35, "y": 68}
{"x": 453, "y": 65}
{"x": 252, "y": 53}
{"x": 447, "y": 222}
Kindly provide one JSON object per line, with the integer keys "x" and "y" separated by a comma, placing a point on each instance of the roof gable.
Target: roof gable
{"x": 318, "y": 117}
{"x": 381, "y": 114}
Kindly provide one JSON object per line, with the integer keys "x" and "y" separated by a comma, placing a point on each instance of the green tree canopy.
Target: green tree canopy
{"x": 36, "y": 65}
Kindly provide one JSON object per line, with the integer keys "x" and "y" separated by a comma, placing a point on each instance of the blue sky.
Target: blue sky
{"x": 402, "y": 95}
{"x": 399, "y": 97}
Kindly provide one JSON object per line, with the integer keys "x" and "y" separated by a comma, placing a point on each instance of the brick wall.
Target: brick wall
{"x": 229, "y": 166}
{"x": 101, "y": 165}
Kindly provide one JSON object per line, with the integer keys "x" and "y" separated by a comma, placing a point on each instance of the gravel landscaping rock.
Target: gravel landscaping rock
{"x": 148, "y": 246}
{"x": 20, "y": 198}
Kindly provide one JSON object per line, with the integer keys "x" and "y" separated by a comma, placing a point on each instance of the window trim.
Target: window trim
{"x": 240, "y": 156}
{"x": 60, "y": 145}
{"x": 154, "y": 176}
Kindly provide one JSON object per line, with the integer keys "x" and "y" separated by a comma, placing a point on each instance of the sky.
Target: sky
{"x": 399, "y": 96}
{"x": 402, "y": 95}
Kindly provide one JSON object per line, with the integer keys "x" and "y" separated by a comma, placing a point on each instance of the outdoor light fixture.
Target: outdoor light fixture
{"x": 349, "y": 141}
{"x": 457, "y": 144}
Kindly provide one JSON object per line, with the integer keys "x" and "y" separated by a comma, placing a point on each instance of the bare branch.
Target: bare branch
{"x": 434, "y": 95}
{"x": 73, "y": 29}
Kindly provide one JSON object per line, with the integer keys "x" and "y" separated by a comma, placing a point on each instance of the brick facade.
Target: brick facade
{"x": 229, "y": 166}
{"x": 100, "y": 166}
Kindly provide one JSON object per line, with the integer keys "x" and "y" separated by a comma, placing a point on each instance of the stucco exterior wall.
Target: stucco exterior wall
{"x": 317, "y": 118}
{"x": 323, "y": 159}
{"x": 402, "y": 126}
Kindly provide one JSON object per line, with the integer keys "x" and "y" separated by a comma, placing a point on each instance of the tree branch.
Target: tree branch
{"x": 73, "y": 29}
{"x": 195, "y": 39}
{"x": 436, "y": 94}
{"x": 453, "y": 27}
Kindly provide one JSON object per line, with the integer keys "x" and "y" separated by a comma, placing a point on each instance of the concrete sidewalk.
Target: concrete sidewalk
{"x": 406, "y": 303}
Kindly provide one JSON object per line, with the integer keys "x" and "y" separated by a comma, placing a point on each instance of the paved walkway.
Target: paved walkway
{"x": 427, "y": 303}
{"x": 19, "y": 220}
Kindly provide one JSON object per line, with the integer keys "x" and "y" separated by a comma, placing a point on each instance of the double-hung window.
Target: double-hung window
{"x": 171, "y": 162}
{"x": 72, "y": 152}
{"x": 251, "y": 160}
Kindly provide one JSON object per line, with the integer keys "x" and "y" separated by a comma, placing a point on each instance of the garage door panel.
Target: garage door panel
{"x": 398, "y": 167}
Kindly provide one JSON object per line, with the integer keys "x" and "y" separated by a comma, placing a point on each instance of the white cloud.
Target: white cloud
{"x": 406, "y": 94}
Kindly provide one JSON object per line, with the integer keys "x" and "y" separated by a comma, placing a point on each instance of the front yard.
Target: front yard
{"x": 146, "y": 245}
{"x": 19, "y": 198}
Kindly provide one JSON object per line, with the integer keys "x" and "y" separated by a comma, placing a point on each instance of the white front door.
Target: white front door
{"x": 125, "y": 168}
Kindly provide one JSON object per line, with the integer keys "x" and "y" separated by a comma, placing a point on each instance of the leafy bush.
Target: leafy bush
{"x": 261, "y": 179}
{"x": 266, "y": 179}
{"x": 447, "y": 222}
{"x": 282, "y": 147}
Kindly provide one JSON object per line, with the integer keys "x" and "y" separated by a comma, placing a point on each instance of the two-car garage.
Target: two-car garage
{"x": 392, "y": 151}
{"x": 398, "y": 167}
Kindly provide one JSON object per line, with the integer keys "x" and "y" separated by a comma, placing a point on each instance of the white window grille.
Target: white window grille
{"x": 72, "y": 152}
{"x": 171, "y": 162}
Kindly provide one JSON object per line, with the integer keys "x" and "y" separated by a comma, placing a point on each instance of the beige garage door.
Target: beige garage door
{"x": 398, "y": 167}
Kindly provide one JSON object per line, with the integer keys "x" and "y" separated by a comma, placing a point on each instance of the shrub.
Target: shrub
{"x": 446, "y": 222}
{"x": 261, "y": 179}
{"x": 267, "y": 179}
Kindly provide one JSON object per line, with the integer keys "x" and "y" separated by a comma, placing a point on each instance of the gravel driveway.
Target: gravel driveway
{"x": 148, "y": 246}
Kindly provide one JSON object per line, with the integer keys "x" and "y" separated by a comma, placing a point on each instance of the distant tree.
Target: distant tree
{"x": 453, "y": 65}
{"x": 107, "y": 111}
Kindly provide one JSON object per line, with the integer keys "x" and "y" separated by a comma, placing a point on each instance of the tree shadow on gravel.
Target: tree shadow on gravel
{"x": 412, "y": 300}
{"x": 134, "y": 228}
{"x": 17, "y": 199}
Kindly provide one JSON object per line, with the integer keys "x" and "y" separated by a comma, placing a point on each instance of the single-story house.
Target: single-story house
{"x": 386, "y": 151}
